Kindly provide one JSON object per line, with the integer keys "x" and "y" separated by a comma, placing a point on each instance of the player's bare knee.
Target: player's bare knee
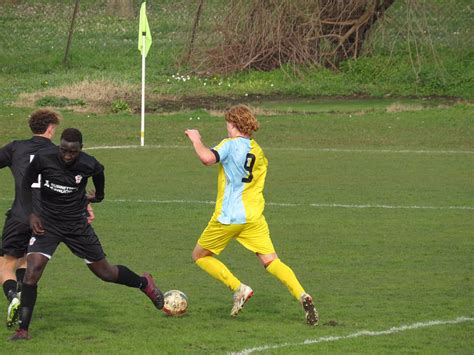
{"x": 106, "y": 274}
{"x": 107, "y": 277}
{"x": 195, "y": 257}
{"x": 266, "y": 259}
{"x": 33, "y": 274}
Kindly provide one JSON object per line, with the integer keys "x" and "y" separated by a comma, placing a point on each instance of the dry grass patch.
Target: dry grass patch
{"x": 98, "y": 96}
{"x": 399, "y": 107}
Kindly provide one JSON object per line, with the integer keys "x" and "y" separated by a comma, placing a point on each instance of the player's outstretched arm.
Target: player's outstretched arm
{"x": 205, "y": 154}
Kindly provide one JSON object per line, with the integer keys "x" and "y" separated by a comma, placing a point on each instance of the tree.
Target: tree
{"x": 265, "y": 34}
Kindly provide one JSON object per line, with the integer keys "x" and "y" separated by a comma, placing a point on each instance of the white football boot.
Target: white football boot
{"x": 312, "y": 316}
{"x": 241, "y": 296}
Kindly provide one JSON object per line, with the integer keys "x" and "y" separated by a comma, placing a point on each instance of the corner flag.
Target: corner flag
{"x": 144, "y": 31}
{"x": 144, "y": 44}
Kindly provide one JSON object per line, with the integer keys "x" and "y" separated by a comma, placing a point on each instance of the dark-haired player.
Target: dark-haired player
{"x": 239, "y": 210}
{"x": 62, "y": 218}
{"x": 16, "y": 230}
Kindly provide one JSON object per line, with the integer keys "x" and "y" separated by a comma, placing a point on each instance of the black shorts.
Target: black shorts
{"x": 15, "y": 237}
{"x": 80, "y": 238}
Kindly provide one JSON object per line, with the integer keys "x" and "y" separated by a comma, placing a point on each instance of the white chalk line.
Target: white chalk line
{"x": 358, "y": 334}
{"x": 317, "y": 205}
{"x": 336, "y": 150}
{"x": 276, "y": 204}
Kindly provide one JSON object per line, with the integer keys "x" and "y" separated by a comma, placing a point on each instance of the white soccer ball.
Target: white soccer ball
{"x": 176, "y": 303}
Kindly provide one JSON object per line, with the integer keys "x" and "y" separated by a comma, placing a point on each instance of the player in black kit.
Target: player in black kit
{"x": 16, "y": 230}
{"x": 63, "y": 218}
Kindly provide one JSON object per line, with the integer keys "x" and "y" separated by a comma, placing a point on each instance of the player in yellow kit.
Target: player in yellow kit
{"x": 239, "y": 210}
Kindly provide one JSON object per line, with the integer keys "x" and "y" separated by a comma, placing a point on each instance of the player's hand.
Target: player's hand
{"x": 36, "y": 225}
{"x": 193, "y": 135}
{"x": 90, "y": 211}
{"x": 93, "y": 198}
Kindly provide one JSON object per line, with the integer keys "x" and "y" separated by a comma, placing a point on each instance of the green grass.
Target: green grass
{"x": 369, "y": 268}
{"x": 334, "y": 165}
{"x": 106, "y": 48}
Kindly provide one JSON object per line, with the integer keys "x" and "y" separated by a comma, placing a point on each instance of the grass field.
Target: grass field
{"x": 372, "y": 209}
{"x": 104, "y": 50}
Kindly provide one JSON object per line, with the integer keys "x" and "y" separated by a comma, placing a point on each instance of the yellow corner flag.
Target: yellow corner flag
{"x": 144, "y": 30}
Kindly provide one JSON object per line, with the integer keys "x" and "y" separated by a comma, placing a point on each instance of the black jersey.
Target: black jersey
{"x": 63, "y": 187}
{"x": 17, "y": 156}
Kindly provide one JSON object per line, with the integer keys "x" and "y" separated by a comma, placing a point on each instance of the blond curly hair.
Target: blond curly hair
{"x": 243, "y": 119}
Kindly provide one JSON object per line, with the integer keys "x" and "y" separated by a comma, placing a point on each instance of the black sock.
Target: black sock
{"x": 9, "y": 289}
{"x": 28, "y": 300}
{"x": 128, "y": 278}
{"x": 20, "y": 274}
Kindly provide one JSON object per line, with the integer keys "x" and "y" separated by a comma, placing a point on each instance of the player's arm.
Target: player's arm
{"x": 26, "y": 197}
{"x": 6, "y": 155}
{"x": 90, "y": 213}
{"x": 205, "y": 154}
{"x": 98, "y": 194}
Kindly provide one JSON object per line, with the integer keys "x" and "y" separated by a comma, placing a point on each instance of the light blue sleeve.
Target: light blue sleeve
{"x": 224, "y": 149}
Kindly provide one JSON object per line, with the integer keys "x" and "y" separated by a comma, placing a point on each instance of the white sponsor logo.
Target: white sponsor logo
{"x": 60, "y": 188}
{"x": 32, "y": 240}
{"x": 78, "y": 179}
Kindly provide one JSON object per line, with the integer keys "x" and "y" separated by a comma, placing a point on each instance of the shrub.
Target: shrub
{"x": 55, "y": 101}
{"x": 119, "y": 106}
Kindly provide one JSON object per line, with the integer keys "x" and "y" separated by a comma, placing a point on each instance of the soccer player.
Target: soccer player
{"x": 239, "y": 210}
{"x": 62, "y": 218}
{"x": 16, "y": 230}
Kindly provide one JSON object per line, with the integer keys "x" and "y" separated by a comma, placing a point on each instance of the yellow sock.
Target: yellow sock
{"x": 219, "y": 271}
{"x": 286, "y": 276}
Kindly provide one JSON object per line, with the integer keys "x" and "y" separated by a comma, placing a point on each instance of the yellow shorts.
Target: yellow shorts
{"x": 255, "y": 236}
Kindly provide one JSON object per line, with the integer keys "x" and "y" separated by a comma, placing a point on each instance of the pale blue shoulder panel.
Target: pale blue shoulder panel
{"x": 232, "y": 154}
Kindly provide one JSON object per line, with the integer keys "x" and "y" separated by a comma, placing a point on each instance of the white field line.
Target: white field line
{"x": 361, "y": 333}
{"x": 316, "y": 205}
{"x": 337, "y": 150}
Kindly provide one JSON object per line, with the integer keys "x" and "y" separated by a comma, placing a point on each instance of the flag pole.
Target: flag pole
{"x": 144, "y": 43}
{"x": 142, "y": 130}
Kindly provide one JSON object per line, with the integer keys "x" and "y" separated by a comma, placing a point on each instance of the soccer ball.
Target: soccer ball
{"x": 176, "y": 303}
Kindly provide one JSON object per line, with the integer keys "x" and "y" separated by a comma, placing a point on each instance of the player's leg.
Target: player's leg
{"x": 20, "y": 272}
{"x": 12, "y": 289}
{"x": 86, "y": 245}
{"x": 214, "y": 267}
{"x": 8, "y": 266}
{"x": 213, "y": 240}
{"x": 286, "y": 276}
{"x": 15, "y": 239}
{"x": 256, "y": 237}
{"x": 217, "y": 269}
{"x": 36, "y": 265}
{"x": 40, "y": 250}
{"x": 122, "y": 275}
{"x": 7, "y": 275}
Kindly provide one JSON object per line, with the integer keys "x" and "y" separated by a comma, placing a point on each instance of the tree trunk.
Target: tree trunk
{"x": 120, "y": 8}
